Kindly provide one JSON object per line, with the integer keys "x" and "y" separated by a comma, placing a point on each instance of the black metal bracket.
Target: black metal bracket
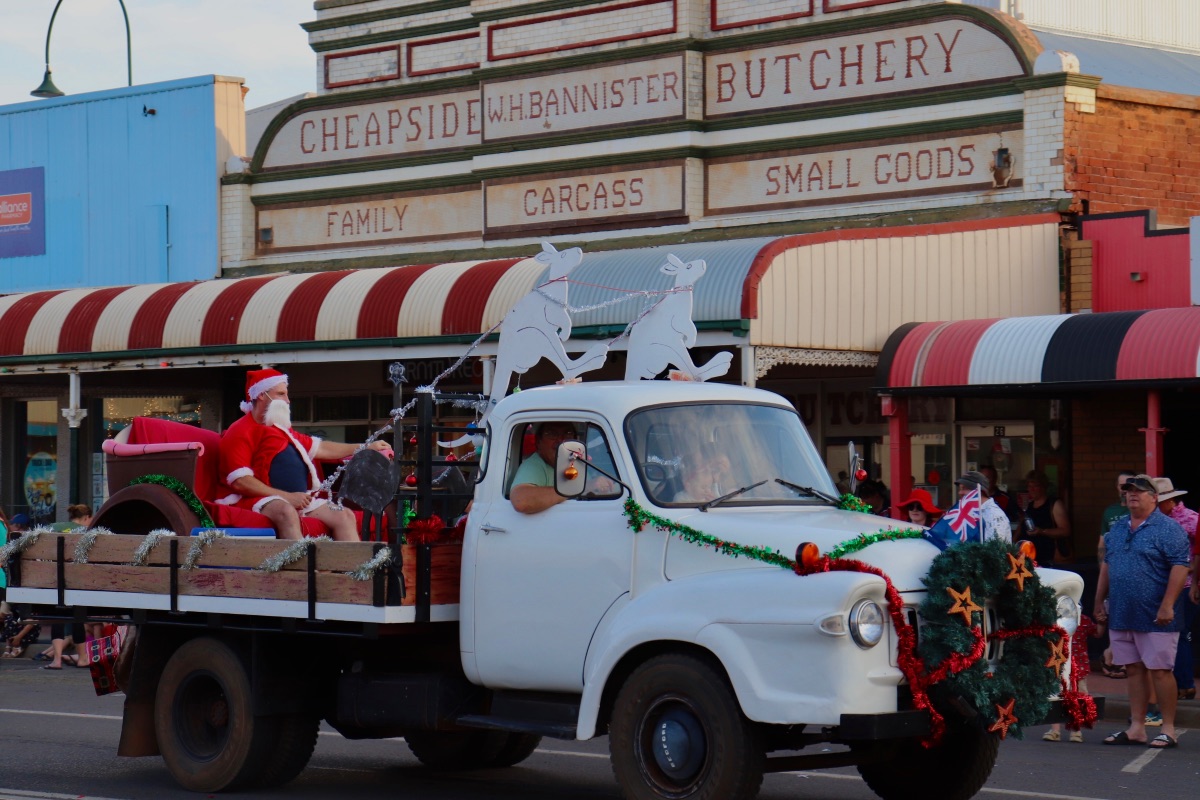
{"x": 60, "y": 561}
{"x": 173, "y": 571}
{"x": 312, "y": 581}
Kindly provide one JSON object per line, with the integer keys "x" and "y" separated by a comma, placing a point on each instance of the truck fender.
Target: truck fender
{"x": 703, "y": 611}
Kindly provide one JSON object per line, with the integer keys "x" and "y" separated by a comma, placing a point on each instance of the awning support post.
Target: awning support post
{"x": 74, "y": 415}
{"x": 1154, "y": 433}
{"x": 899, "y": 449}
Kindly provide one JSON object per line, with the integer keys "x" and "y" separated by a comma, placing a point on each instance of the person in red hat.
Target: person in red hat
{"x": 269, "y": 467}
{"x": 920, "y": 508}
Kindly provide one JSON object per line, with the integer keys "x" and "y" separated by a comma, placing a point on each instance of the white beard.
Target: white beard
{"x": 279, "y": 413}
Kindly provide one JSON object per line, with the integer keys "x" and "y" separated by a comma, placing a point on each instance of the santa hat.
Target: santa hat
{"x": 259, "y": 381}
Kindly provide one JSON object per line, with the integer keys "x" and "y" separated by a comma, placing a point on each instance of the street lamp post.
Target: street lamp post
{"x": 48, "y": 89}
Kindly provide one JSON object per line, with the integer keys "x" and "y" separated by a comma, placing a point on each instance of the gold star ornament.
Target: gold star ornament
{"x": 963, "y": 604}
{"x": 1018, "y": 570}
{"x": 1004, "y": 718}
{"x": 1057, "y": 655}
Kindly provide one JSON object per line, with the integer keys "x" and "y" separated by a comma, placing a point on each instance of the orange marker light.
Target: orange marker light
{"x": 1027, "y": 549}
{"x": 808, "y": 554}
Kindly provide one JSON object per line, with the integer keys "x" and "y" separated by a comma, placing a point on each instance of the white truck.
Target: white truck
{"x": 704, "y": 670}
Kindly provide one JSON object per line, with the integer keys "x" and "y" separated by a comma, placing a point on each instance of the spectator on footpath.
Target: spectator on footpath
{"x": 920, "y": 508}
{"x": 1169, "y": 504}
{"x": 1046, "y": 522}
{"x": 1111, "y": 514}
{"x": 78, "y": 516}
{"x": 1002, "y": 498}
{"x": 3, "y": 541}
{"x": 1146, "y": 561}
{"x": 17, "y": 633}
{"x": 993, "y": 521}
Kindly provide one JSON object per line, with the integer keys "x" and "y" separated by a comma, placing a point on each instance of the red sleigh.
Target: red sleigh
{"x": 153, "y": 447}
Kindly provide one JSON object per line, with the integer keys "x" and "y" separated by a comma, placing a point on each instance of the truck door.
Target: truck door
{"x": 543, "y": 581}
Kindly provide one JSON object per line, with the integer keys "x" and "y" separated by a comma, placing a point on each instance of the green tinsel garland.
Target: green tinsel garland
{"x": 849, "y": 502}
{"x": 184, "y": 493}
{"x": 865, "y": 540}
{"x": 1022, "y": 673}
{"x": 639, "y": 518}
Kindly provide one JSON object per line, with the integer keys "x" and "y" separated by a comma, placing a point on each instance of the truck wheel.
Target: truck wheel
{"x": 677, "y": 731}
{"x": 517, "y": 747}
{"x": 455, "y": 750}
{"x": 297, "y": 738}
{"x": 954, "y": 770}
{"x": 204, "y": 719}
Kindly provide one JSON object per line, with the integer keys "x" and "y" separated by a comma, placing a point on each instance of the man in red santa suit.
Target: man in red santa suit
{"x": 270, "y": 467}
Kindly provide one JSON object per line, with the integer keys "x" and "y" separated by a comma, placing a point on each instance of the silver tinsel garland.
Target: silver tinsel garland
{"x": 197, "y": 549}
{"x": 364, "y": 572}
{"x": 17, "y": 546}
{"x": 142, "y": 554}
{"x": 290, "y": 554}
{"x": 86, "y": 541}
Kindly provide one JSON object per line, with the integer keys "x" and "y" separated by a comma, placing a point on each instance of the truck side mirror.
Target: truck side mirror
{"x": 570, "y": 469}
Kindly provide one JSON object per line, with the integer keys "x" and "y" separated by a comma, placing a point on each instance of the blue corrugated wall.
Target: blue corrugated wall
{"x": 129, "y": 197}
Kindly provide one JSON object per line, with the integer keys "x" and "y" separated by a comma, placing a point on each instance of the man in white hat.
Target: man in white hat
{"x": 1169, "y": 504}
{"x": 264, "y": 461}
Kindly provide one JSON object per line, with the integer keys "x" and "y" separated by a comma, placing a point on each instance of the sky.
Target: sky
{"x": 259, "y": 40}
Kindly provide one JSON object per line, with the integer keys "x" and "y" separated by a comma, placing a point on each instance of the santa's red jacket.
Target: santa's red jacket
{"x": 249, "y": 447}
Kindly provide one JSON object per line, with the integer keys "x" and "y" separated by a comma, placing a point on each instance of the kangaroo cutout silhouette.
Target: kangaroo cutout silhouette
{"x": 662, "y": 337}
{"x": 536, "y": 328}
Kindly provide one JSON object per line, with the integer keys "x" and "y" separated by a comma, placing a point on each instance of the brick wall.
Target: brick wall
{"x": 1140, "y": 149}
{"x": 1105, "y": 440}
{"x": 1078, "y": 265}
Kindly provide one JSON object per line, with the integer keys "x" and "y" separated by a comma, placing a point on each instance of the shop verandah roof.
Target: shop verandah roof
{"x": 1066, "y": 352}
{"x": 429, "y": 303}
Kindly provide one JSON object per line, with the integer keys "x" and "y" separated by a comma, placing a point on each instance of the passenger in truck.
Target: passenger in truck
{"x": 270, "y": 468}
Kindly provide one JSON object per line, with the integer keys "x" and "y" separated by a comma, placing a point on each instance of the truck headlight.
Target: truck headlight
{"x": 866, "y": 623}
{"x": 1068, "y": 614}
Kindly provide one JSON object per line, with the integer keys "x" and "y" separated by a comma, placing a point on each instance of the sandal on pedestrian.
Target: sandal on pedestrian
{"x": 50, "y": 666}
{"x": 1162, "y": 742}
{"x": 1120, "y": 737}
{"x": 1187, "y": 694}
{"x": 45, "y": 655}
{"x": 8, "y": 653}
{"x": 1051, "y": 736}
{"x": 1077, "y": 737}
{"x": 1111, "y": 671}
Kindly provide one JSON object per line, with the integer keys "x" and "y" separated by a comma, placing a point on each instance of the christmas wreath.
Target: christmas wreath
{"x": 1032, "y": 649}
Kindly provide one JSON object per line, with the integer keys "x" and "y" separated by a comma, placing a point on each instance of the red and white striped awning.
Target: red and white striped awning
{"x": 412, "y": 302}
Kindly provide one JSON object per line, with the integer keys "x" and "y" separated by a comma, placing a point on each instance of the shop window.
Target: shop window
{"x": 341, "y": 407}
{"x": 39, "y": 472}
{"x": 120, "y": 411}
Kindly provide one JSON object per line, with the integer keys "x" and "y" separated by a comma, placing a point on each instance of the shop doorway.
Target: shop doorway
{"x": 1007, "y": 447}
{"x": 35, "y": 472}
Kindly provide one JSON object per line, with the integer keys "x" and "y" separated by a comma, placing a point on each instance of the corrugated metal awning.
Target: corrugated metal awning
{"x": 1070, "y": 351}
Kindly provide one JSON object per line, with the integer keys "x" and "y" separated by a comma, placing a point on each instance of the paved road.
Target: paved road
{"x": 58, "y": 740}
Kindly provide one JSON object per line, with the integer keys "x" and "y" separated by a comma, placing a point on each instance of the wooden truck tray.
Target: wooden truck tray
{"x": 241, "y": 576}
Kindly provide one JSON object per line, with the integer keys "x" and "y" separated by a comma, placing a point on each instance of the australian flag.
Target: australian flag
{"x": 960, "y": 524}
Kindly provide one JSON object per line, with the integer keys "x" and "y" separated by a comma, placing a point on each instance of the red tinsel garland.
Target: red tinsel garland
{"x": 425, "y": 531}
{"x": 919, "y": 676}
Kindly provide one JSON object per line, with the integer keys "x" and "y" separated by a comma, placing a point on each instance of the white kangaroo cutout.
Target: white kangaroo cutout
{"x": 536, "y": 328}
{"x": 662, "y": 337}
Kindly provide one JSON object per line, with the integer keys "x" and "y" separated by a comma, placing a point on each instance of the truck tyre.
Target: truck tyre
{"x": 955, "y": 769}
{"x": 455, "y": 750}
{"x": 677, "y": 731}
{"x": 517, "y": 747}
{"x": 297, "y": 738}
{"x": 207, "y": 732}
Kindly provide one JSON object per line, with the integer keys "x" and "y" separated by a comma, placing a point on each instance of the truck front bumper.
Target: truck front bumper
{"x": 916, "y": 723}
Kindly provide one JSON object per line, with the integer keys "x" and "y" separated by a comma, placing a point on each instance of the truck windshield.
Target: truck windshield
{"x": 689, "y": 455}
